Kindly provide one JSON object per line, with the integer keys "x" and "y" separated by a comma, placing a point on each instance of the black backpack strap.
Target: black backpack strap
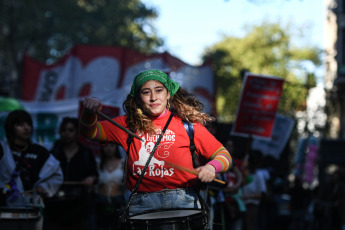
{"x": 199, "y": 186}
{"x": 190, "y": 131}
{"x": 129, "y": 141}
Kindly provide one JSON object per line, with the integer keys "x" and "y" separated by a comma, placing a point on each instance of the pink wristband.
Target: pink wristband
{"x": 216, "y": 164}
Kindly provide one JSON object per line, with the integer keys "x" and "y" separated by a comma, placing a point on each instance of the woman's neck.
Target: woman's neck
{"x": 70, "y": 149}
{"x": 21, "y": 142}
{"x": 163, "y": 114}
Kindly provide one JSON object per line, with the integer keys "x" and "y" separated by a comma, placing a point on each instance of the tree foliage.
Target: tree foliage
{"x": 47, "y": 29}
{"x": 265, "y": 49}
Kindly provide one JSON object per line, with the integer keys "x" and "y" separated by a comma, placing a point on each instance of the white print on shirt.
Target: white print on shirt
{"x": 162, "y": 152}
{"x": 31, "y": 155}
{"x": 27, "y": 155}
{"x": 144, "y": 154}
{"x": 158, "y": 172}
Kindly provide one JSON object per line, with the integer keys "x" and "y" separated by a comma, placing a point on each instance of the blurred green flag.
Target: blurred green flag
{"x": 9, "y": 104}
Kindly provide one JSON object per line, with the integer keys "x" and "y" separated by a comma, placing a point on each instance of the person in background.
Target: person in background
{"x": 230, "y": 208}
{"x": 72, "y": 207}
{"x": 235, "y": 207}
{"x": 154, "y": 102}
{"x": 300, "y": 200}
{"x": 254, "y": 189}
{"x": 109, "y": 194}
{"x": 28, "y": 172}
{"x": 329, "y": 202}
{"x": 213, "y": 187}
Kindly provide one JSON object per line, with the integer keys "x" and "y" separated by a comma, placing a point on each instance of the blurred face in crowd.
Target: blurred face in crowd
{"x": 110, "y": 149}
{"x": 154, "y": 97}
{"x": 229, "y": 145}
{"x": 68, "y": 133}
{"x": 22, "y": 132}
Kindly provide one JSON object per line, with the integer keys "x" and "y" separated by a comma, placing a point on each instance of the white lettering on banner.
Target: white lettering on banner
{"x": 263, "y": 84}
{"x": 79, "y": 80}
{"x": 261, "y": 96}
{"x": 49, "y": 82}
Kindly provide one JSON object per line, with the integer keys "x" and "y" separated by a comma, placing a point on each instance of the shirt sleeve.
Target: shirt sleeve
{"x": 210, "y": 148}
{"x": 114, "y": 133}
{"x": 90, "y": 128}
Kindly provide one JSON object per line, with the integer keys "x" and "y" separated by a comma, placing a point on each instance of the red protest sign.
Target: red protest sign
{"x": 258, "y": 105}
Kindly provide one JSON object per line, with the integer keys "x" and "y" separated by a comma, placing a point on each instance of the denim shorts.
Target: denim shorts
{"x": 181, "y": 198}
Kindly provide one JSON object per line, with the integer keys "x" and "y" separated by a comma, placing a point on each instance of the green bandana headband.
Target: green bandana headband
{"x": 153, "y": 74}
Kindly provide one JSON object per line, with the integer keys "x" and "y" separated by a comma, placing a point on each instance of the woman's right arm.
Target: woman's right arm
{"x": 89, "y": 127}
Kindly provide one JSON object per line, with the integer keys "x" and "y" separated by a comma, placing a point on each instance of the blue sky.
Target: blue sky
{"x": 189, "y": 26}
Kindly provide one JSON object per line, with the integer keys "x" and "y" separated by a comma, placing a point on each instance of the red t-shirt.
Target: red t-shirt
{"x": 173, "y": 148}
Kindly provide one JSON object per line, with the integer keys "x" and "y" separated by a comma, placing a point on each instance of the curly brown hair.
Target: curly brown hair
{"x": 184, "y": 105}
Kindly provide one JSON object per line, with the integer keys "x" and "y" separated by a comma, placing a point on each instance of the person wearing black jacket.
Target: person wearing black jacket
{"x": 72, "y": 208}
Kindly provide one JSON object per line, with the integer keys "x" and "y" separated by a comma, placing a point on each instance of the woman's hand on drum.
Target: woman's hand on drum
{"x": 92, "y": 105}
{"x": 206, "y": 173}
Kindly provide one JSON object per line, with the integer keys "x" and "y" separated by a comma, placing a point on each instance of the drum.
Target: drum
{"x": 28, "y": 218}
{"x": 177, "y": 219}
{"x": 28, "y": 213}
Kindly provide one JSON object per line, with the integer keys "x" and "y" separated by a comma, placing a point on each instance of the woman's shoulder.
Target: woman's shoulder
{"x": 122, "y": 120}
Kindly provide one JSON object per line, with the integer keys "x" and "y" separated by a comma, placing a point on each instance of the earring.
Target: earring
{"x": 139, "y": 111}
{"x": 168, "y": 105}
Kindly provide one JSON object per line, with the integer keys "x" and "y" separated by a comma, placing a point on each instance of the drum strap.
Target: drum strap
{"x": 135, "y": 189}
{"x": 200, "y": 186}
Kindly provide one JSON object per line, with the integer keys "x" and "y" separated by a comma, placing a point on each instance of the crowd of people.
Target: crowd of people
{"x": 70, "y": 187}
{"x": 66, "y": 187}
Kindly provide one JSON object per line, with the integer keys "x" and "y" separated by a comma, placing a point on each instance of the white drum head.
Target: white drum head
{"x": 165, "y": 214}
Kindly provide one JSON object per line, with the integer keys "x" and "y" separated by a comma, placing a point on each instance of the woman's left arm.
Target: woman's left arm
{"x": 221, "y": 161}
{"x": 218, "y": 156}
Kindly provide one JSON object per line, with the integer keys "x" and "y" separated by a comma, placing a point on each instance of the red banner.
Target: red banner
{"x": 108, "y": 72}
{"x": 258, "y": 106}
{"x": 50, "y": 92}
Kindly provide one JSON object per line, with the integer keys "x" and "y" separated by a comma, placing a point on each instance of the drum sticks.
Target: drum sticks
{"x": 73, "y": 182}
{"x": 192, "y": 171}
{"x": 118, "y": 125}
{"x": 27, "y": 191}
